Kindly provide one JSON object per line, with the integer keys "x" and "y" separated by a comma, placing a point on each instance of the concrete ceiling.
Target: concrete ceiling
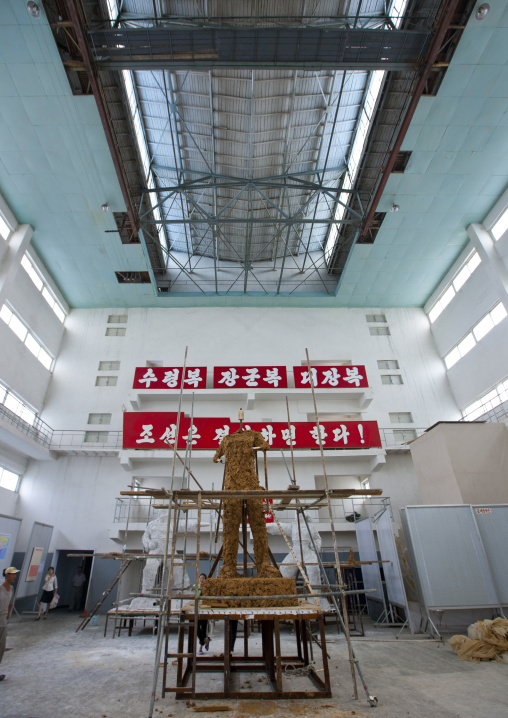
{"x": 56, "y": 172}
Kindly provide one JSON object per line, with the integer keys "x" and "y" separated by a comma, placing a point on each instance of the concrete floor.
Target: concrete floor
{"x": 52, "y": 672}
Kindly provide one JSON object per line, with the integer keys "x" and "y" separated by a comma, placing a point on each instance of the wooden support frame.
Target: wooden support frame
{"x": 271, "y": 662}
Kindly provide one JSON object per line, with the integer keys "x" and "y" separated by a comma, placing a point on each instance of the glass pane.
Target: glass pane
{"x": 27, "y": 415}
{"x": 47, "y": 296}
{"x": 4, "y": 228}
{"x": 500, "y": 226}
{"x": 466, "y": 345}
{"x": 474, "y": 262}
{"x": 8, "y": 480}
{"x": 13, "y": 404}
{"x": 44, "y": 358}
{"x": 498, "y": 313}
{"x": 35, "y": 278}
{"x": 461, "y": 278}
{"x": 447, "y": 297}
{"x": 435, "y": 312}
{"x": 452, "y": 358}
{"x": 5, "y": 314}
{"x": 33, "y": 345}
{"x": 18, "y": 328}
{"x": 483, "y": 327}
{"x": 59, "y": 313}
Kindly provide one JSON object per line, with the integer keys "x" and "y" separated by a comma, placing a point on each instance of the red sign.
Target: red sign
{"x": 267, "y": 507}
{"x": 331, "y": 377}
{"x": 156, "y": 430}
{"x": 246, "y": 377}
{"x": 169, "y": 377}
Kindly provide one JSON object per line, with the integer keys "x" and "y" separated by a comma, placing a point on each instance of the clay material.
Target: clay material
{"x": 250, "y": 587}
{"x": 238, "y": 449}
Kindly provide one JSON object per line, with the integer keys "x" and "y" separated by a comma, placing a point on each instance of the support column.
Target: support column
{"x": 492, "y": 262}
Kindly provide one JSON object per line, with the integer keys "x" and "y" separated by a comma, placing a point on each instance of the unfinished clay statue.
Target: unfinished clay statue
{"x": 238, "y": 449}
{"x": 154, "y": 542}
{"x": 288, "y": 568}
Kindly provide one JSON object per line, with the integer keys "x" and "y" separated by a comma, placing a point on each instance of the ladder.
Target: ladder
{"x": 104, "y": 594}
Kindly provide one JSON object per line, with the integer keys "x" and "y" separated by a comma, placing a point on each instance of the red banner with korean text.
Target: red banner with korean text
{"x": 169, "y": 377}
{"x": 157, "y": 430}
{"x": 247, "y": 377}
{"x": 331, "y": 377}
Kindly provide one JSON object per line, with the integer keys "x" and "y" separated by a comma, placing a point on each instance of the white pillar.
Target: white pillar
{"x": 492, "y": 262}
{"x": 11, "y": 262}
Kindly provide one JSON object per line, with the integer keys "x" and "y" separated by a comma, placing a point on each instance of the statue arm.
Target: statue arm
{"x": 219, "y": 452}
{"x": 259, "y": 441}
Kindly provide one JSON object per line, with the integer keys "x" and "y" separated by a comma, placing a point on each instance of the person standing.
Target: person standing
{"x": 78, "y": 582}
{"x": 203, "y": 638}
{"x": 48, "y": 591}
{"x": 6, "y": 604}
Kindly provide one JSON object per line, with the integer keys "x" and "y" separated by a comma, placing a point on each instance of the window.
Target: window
{"x": 15, "y": 405}
{"x": 21, "y": 331}
{"x": 500, "y": 227}
{"x": 487, "y": 402}
{"x": 481, "y": 329}
{"x": 36, "y": 278}
{"x": 99, "y": 418}
{"x": 109, "y": 365}
{"x": 457, "y": 283}
{"x": 391, "y": 379}
{"x": 8, "y": 480}
{"x": 106, "y": 381}
{"x": 115, "y": 332}
{"x": 388, "y": 364}
{"x": 379, "y": 331}
{"x": 376, "y": 318}
{"x": 5, "y": 230}
{"x": 96, "y": 437}
{"x": 117, "y": 319}
{"x": 401, "y": 417}
{"x": 403, "y": 435}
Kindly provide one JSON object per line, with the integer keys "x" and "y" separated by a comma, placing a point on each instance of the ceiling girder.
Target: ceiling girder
{"x": 156, "y": 48}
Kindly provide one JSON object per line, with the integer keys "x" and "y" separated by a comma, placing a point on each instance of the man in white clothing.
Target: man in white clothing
{"x": 6, "y": 603}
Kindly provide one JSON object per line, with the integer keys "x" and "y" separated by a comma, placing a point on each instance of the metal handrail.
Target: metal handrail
{"x": 39, "y": 431}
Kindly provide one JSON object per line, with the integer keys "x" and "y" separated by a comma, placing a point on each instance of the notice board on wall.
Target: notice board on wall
{"x": 29, "y": 581}
{"x": 9, "y": 529}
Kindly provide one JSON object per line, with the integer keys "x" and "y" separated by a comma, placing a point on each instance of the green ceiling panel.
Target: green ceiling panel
{"x": 56, "y": 171}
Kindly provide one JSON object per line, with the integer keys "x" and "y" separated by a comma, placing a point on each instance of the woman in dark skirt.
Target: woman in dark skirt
{"x": 48, "y": 591}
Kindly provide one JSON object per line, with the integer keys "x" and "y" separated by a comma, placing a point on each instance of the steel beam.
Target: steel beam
{"x": 156, "y": 48}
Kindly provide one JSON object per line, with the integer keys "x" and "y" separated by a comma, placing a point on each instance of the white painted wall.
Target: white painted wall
{"x": 484, "y": 366}
{"x": 462, "y": 463}
{"x": 77, "y": 494}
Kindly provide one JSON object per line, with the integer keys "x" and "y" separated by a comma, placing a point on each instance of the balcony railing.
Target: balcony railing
{"x": 103, "y": 440}
{"x": 86, "y": 440}
{"x": 39, "y": 431}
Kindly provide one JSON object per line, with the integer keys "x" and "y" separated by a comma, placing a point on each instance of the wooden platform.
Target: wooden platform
{"x": 271, "y": 662}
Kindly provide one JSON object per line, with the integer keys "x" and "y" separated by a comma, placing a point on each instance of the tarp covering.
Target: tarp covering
{"x": 485, "y": 641}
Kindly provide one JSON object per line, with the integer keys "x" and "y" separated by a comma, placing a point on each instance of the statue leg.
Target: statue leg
{"x": 288, "y": 571}
{"x": 264, "y": 568}
{"x": 150, "y": 574}
{"x": 231, "y": 520}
